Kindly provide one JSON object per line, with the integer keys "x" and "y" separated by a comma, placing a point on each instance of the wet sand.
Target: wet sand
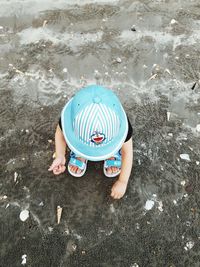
{"x": 148, "y": 52}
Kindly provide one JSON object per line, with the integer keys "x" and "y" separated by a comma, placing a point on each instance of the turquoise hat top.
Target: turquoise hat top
{"x": 94, "y": 123}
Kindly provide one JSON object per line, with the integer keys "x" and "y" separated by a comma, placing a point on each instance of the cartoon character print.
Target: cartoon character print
{"x": 97, "y": 137}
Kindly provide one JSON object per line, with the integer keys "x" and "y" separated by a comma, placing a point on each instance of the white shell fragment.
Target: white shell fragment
{"x": 15, "y": 176}
{"x": 59, "y": 213}
{"x": 197, "y": 162}
{"x": 149, "y": 204}
{"x": 65, "y": 70}
{"x": 185, "y": 157}
{"x": 24, "y": 259}
{"x": 24, "y": 214}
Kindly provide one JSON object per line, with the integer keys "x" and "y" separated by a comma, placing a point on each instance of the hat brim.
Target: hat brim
{"x": 87, "y": 152}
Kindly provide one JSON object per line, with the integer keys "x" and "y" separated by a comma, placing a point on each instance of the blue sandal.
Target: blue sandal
{"x": 78, "y": 163}
{"x": 117, "y": 162}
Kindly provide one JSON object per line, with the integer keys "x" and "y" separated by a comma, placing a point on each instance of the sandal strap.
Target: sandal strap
{"x": 112, "y": 163}
{"x": 117, "y": 162}
{"x": 78, "y": 163}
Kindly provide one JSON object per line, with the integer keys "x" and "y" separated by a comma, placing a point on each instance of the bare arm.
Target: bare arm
{"x": 58, "y": 165}
{"x": 119, "y": 187}
{"x": 60, "y": 143}
{"x": 127, "y": 161}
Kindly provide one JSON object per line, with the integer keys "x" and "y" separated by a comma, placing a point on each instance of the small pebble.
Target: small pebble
{"x": 118, "y": 59}
{"x": 149, "y": 204}
{"x": 65, "y": 70}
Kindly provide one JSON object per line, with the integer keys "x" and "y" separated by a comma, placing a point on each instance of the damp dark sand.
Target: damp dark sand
{"x": 48, "y": 50}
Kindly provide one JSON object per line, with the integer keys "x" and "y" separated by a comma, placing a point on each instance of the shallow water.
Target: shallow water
{"x": 48, "y": 50}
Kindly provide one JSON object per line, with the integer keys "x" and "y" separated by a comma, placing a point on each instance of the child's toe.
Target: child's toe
{"x": 78, "y": 171}
{"x": 73, "y": 169}
{"x": 113, "y": 169}
{"x": 109, "y": 170}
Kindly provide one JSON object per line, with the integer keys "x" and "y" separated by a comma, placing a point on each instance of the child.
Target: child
{"x": 95, "y": 127}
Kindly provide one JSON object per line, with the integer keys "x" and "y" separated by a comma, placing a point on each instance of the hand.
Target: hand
{"x": 118, "y": 189}
{"x": 58, "y": 165}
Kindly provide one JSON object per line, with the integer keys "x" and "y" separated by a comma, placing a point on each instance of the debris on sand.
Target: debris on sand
{"x": 65, "y": 70}
{"x": 183, "y": 182}
{"x": 193, "y": 86}
{"x": 153, "y": 77}
{"x": 168, "y": 115}
{"x": 173, "y": 22}
{"x": 118, "y": 59}
{"x": 185, "y": 157}
{"x": 133, "y": 29}
{"x": 59, "y": 213}
{"x": 198, "y": 128}
{"x": 44, "y": 23}
{"x": 168, "y": 71}
{"x": 3, "y": 197}
{"x": 24, "y": 259}
{"x": 149, "y": 204}
{"x": 15, "y": 176}
{"x": 24, "y": 214}
{"x": 189, "y": 245}
{"x": 160, "y": 206}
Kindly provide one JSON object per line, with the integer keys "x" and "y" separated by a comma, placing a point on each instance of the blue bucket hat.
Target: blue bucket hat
{"x": 94, "y": 123}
